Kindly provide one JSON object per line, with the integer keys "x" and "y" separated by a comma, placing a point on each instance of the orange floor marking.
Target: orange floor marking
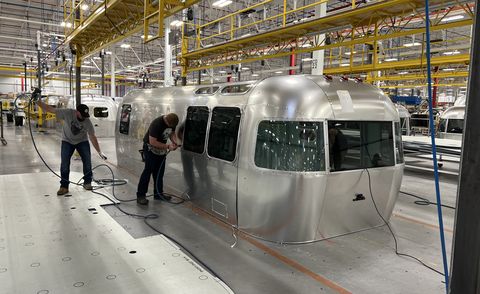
{"x": 420, "y": 222}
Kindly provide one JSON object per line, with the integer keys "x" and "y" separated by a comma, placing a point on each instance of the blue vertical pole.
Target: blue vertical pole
{"x": 434, "y": 148}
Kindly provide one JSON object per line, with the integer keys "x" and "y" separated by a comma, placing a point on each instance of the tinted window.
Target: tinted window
{"x": 236, "y": 89}
{"x": 195, "y": 129}
{"x": 398, "y": 143}
{"x": 206, "y": 90}
{"x": 222, "y": 141}
{"x": 100, "y": 112}
{"x": 360, "y": 144}
{"x": 125, "y": 119}
{"x": 419, "y": 120}
{"x": 290, "y": 146}
{"x": 455, "y": 126}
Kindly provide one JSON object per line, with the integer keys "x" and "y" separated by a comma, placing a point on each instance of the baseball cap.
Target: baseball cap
{"x": 83, "y": 109}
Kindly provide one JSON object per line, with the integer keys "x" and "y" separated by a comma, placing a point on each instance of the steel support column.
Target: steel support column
{"x": 465, "y": 264}
{"x": 78, "y": 80}
{"x": 112, "y": 74}
{"x": 167, "y": 64}
{"x": 318, "y": 57}
{"x": 25, "y": 74}
{"x": 102, "y": 56}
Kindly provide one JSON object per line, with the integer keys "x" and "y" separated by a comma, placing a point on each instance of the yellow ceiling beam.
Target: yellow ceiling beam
{"x": 423, "y": 85}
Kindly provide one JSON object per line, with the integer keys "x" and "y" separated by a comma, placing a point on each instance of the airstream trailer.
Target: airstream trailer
{"x": 451, "y": 123}
{"x": 103, "y": 113}
{"x": 404, "y": 119}
{"x": 287, "y": 159}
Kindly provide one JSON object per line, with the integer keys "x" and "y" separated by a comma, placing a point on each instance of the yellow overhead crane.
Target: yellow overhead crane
{"x": 111, "y": 21}
{"x": 292, "y": 38}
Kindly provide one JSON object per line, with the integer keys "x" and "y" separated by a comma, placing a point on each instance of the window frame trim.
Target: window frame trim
{"x": 106, "y": 108}
{"x": 235, "y": 159}
{"x": 250, "y": 87}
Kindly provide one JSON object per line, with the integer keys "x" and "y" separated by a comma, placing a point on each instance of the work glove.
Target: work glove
{"x": 102, "y": 156}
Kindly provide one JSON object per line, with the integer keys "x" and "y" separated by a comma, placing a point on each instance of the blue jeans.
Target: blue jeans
{"x": 154, "y": 166}
{"x": 83, "y": 149}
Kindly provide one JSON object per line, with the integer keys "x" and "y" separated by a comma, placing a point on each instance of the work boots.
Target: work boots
{"x": 62, "y": 191}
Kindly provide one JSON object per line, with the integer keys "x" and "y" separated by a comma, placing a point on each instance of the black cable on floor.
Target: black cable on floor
{"x": 425, "y": 201}
{"x": 391, "y": 231}
{"x": 116, "y": 182}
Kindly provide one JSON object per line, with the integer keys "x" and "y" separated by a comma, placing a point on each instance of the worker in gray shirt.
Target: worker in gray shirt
{"x": 77, "y": 129}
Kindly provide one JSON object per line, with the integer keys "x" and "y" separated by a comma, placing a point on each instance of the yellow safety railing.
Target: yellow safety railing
{"x": 235, "y": 30}
{"x": 75, "y": 12}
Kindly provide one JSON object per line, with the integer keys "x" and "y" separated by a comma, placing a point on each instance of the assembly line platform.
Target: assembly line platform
{"x": 70, "y": 244}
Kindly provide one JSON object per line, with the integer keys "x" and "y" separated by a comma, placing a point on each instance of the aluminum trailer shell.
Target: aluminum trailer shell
{"x": 455, "y": 112}
{"x": 280, "y": 206}
{"x": 104, "y": 126}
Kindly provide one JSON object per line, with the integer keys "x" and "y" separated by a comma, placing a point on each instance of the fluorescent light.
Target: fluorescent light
{"x": 44, "y": 45}
{"x": 391, "y": 59}
{"x": 108, "y": 52}
{"x": 403, "y": 73}
{"x": 306, "y": 45}
{"x": 451, "y": 52}
{"x": 63, "y": 24}
{"x": 454, "y": 17}
{"x": 349, "y": 53}
{"x": 307, "y": 59}
{"x": 245, "y": 68}
{"x": 69, "y": 24}
{"x": 84, "y": 7}
{"x": 86, "y": 62}
{"x": 125, "y": 45}
{"x": 176, "y": 23}
{"x": 278, "y": 72}
{"x": 143, "y": 36}
{"x": 412, "y": 44}
{"x": 221, "y": 3}
{"x": 222, "y": 71}
{"x": 254, "y": 75}
{"x": 97, "y": 58}
{"x": 345, "y": 64}
{"x": 448, "y": 69}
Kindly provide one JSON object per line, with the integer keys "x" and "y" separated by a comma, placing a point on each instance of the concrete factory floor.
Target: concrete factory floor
{"x": 363, "y": 262}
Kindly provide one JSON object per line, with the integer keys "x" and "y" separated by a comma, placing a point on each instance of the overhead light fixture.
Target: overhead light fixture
{"x": 84, "y": 7}
{"x": 125, "y": 46}
{"x": 448, "y": 69}
{"x": 63, "y": 24}
{"x": 176, "y": 23}
{"x": 245, "y": 68}
{"x": 278, "y": 72}
{"x": 254, "y": 75}
{"x": 412, "y": 44}
{"x": 221, "y": 3}
{"x": 307, "y": 59}
{"x": 451, "y": 52}
{"x": 306, "y": 45}
{"x": 143, "y": 36}
{"x": 222, "y": 71}
{"x": 345, "y": 64}
{"x": 349, "y": 53}
{"x": 454, "y": 17}
{"x": 108, "y": 52}
{"x": 69, "y": 24}
{"x": 391, "y": 59}
{"x": 97, "y": 58}
{"x": 44, "y": 45}
{"x": 86, "y": 62}
{"x": 403, "y": 73}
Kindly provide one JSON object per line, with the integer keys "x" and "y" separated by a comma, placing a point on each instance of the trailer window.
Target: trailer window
{"x": 455, "y": 126}
{"x": 206, "y": 90}
{"x": 398, "y": 143}
{"x": 100, "y": 112}
{"x": 290, "y": 146}
{"x": 236, "y": 89}
{"x": 360, "y": 144}
{"x": 222, "y": 140}
{"x": 125, "y": 119}
{"x": 195, "y": 129}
